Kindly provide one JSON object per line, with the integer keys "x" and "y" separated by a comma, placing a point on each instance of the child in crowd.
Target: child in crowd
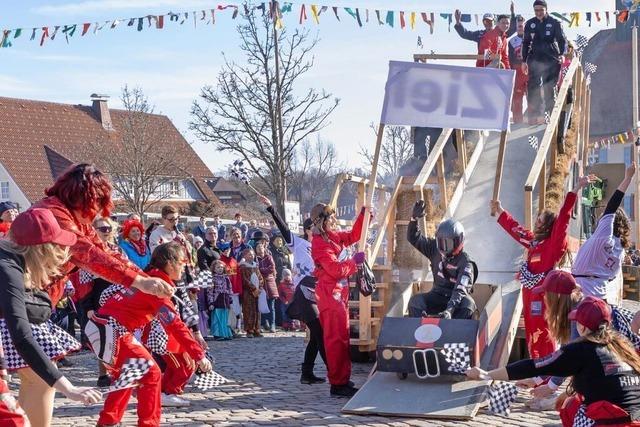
{"x": 252, "y": 284}
{"x": 110, "y": 332}
{"x": 268, "y": 271}
{"x": 286, "y": 288}
{"x": 218, "y": 300}
{"x": 233, "y": 273}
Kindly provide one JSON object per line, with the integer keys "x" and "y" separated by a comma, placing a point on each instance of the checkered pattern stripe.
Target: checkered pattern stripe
{"x": 211, "y": 379}
{"x": 458, "y": 356}
{"x": 581, "y": 419}
{"x": 85, "y": 276}
{"x": 109, "y": 292}
{"x": 621, "y": 320}
{"x": 188, "y": 312}
{"x": 131, "y": 371}
{"x": 157, "y": 339}
{"x": 527, "y": 278}
{"x": 53, "y": 340}
{"x": 501, "y": 395}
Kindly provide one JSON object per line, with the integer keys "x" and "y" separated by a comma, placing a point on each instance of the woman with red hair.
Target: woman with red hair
{"x": 134, "y": 245}
{"x": 77, "y": 197}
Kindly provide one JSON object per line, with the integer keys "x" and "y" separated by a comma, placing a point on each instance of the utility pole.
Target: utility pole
{"x": 275, "y": 15}
{"x": 635, "y": 125}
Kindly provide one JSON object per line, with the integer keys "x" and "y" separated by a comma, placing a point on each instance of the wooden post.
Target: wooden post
{"x": 587, "y": 118}
{"x": 542, "y": 182}
{"x": 336, "y": 190}
{"x": 635, "y": 119}
{"x": 442, "y": 183}
{"x": 528, "y": 209}
{"x": 499, "y": 167}
{"x": 554, "y": 150}
{"x": 364, "y": 322}
{"x": 462, "y": 150}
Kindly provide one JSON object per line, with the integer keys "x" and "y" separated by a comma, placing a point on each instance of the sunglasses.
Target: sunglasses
{"x": 105, "y": 229}
{"x": 173, "y": 219}
{"x": 538, "y": 9}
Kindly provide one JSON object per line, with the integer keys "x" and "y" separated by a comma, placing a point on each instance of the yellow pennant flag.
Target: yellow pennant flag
{"x": 279, "y": 24}
{"x": 575, "y": 19}
{"x": 412, "y": 20}
{"x": 620, "y": 138}
{"x": 314, "y": 12}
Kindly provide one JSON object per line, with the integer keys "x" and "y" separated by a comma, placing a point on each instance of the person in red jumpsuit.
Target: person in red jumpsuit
{"x": 127, "y": 311}
{"x": 545, "y": 248}
{"x": 332, "y": 291}
{"x": 494, "y": 45}
{"x": 77, "y": 197}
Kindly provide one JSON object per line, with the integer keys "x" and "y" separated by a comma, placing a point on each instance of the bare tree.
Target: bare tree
{"x": 313, "y": 173}
{"x": 145, "y": 163}
{"x": 240, "y": 114}
{"x": 395, "y": 151}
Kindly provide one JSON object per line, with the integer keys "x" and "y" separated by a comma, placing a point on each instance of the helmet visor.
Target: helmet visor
{"x": 447, "y": 244}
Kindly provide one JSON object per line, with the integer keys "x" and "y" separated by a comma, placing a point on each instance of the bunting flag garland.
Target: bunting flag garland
{"x": 276, "y": 10}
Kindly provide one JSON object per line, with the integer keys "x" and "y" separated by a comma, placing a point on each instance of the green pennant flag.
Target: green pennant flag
{"x": 561, "y": 16}
{"x": 390, "y": 18}
{"x": 18, "y": 33}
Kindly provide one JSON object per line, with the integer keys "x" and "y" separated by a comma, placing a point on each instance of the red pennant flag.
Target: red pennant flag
{"x": 402, "y": 22}
{"x": 85, "y": 28}
{"x": 428, "y": 21}
{"x": 45, "y": 34}
{"x": 160, "y": 22}
{"x": 303, "y": 14}
{"x": 598, "y": 16}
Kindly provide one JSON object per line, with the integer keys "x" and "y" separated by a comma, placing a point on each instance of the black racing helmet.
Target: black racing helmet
{"x": 449, "y": 236}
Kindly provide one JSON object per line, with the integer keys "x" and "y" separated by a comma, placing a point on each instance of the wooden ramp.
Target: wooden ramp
{"x": 385, "y": 394}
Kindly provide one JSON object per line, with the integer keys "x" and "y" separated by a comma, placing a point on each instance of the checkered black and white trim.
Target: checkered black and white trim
{"x": 109, "y": 292}
{"x": 527, "y": 278}
{"x": 54, "y": 341}
{"x": 188, "y": 312}
{"x": 581, "y": 419}
{"x": 157, "y": 339}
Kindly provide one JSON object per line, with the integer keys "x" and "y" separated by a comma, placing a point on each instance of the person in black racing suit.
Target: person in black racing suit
{"x": 453, "y": 272}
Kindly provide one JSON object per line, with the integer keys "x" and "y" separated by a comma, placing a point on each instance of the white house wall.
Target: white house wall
{"x": 15, "y": 194}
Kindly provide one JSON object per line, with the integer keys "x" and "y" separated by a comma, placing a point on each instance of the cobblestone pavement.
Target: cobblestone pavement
{"x": 266, "y": 391}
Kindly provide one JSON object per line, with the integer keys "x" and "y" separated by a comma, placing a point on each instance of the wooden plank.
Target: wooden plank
{"x": 499, "y": 167}
{"x": 358, "y": 179}
{"x": 547, "y": 138}
{"x": 434, "y": 155}
{"x": 528, "y": 209}
{"x": 385, "y": 222}
{"x": 355, "y": 304}
{"x": 462, "y": 150}
{"x": 374, "y": 321}
{"x": 587, "y": 118}
{"x": 442, "y": 182}
{"x": 554, "y": 150}
{"x": 542, "y": 193}
{"x": 335, "y": 194}
{"x": 423, "y": 57}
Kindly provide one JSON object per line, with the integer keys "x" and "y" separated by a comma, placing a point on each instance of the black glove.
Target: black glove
{"x": 418, "y": 210}
{"x": 444, "y": 314}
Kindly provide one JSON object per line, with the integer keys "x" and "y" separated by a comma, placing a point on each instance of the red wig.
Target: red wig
{"x": 84, "y": 188}
{"x": 130, "y": 224}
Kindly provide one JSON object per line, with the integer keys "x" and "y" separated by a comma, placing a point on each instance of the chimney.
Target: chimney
{"x": 101, "y": 110}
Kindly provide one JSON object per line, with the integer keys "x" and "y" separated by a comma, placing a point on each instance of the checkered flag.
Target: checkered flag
{"x": 581, "y": 44}
{"x": 204, "y": 280}
{"x": 581, "y": 419}
{"x": 501, "y": 395}
{"x": 590, "y": 68}
{"x": 533, "y": 142}
{"x": 238, "y": 170}
{"x": 458, "y": 356}
{"x": 621, "y": 320}
{"x": 547, "y": 117}
{"x": 211, "y": 379}
{"x": 131, "y": 371}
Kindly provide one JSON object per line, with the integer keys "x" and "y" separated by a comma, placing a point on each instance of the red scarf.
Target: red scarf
{"x": 140, "y": 246}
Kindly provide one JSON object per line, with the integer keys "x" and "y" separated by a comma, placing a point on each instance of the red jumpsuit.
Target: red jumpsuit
{"x": 89, "y": 253}
{"x": 133, "y": 310}
{"x": 541, "y": 258}
{"x": 334, "y": 314}
{"x": 11, "y": 415}
{"x": 494, "y": 41}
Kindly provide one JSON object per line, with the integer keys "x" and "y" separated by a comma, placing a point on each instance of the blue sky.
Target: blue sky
{"x": 172, "y": 64}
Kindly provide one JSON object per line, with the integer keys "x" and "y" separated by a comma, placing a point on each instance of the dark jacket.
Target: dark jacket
{"x": 543, "y": 40}
{"x": 453, "y": 276}
{"x": 207, "y": 253}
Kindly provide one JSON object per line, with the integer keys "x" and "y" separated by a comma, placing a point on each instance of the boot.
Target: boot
{"x": 307, "y": 377}
{"x": 343, "y": 390}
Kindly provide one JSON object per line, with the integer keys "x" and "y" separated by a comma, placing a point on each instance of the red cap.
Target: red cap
{"x": 37, "y": 226}
{"x": 557, "y": 281}
{"x": 591, "y": 312}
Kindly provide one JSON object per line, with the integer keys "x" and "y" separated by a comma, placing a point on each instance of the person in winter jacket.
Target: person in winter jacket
{"x": 127, "y": 311}
{"x": 133, "y": 244}
{"x": 170, "y": 232}
{"x": 75, "y": 199}
{"x": 218, "y": 300}
{"x": 542, "y": 49}
{"x": 8, "y": 213}
{"x": 209, "y": 251}
{"x": 304, "y": 305}
{"x": 233, "y": 273}
{"x": 604, "y": 365}
{"x": 453, "y": 270}
{"x": 545, "y": 246}
{"x": 238, "y": 244}
{"x": 332, "y": 295}
{"x": 286, "y": 289}
{"x": 242, "y": 226}
{"x": 268, "y": 271}
{"x": 252, "y": 284}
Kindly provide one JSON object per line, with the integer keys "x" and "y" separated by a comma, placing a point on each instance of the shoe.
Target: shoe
{"x": 310, "y": 378}
{"x": 545, "y": 404}
{"x": 104, "y": 381}
{"x": 173, "y": 401}
{"x": 250, "y": 335}
{"x": 258, "y": 335}
{"x": 272, "y": 330}
{"x": 343, "y": 390}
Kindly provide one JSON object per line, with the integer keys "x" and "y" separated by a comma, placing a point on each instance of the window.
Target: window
{"x": 602, "y": 155}
{"x": 174, "y": 188}
{"x": 4, "y": 190}
{"x": 628, "y": 155}
{"x": 629, "y": 205}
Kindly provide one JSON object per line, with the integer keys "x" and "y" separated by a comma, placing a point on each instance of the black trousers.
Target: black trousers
{"x": 543, "y": 79}
{"x": 314, "y": 346}
{"x": 434, "y": 302}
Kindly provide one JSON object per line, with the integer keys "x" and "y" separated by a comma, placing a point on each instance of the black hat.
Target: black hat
{"x": 259, "y": 235}
{"x": 449, "y": 236}
{"x": 307, "y": 224}
{"x": 5, "y": 206}
{"x": 542, "y": 3}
